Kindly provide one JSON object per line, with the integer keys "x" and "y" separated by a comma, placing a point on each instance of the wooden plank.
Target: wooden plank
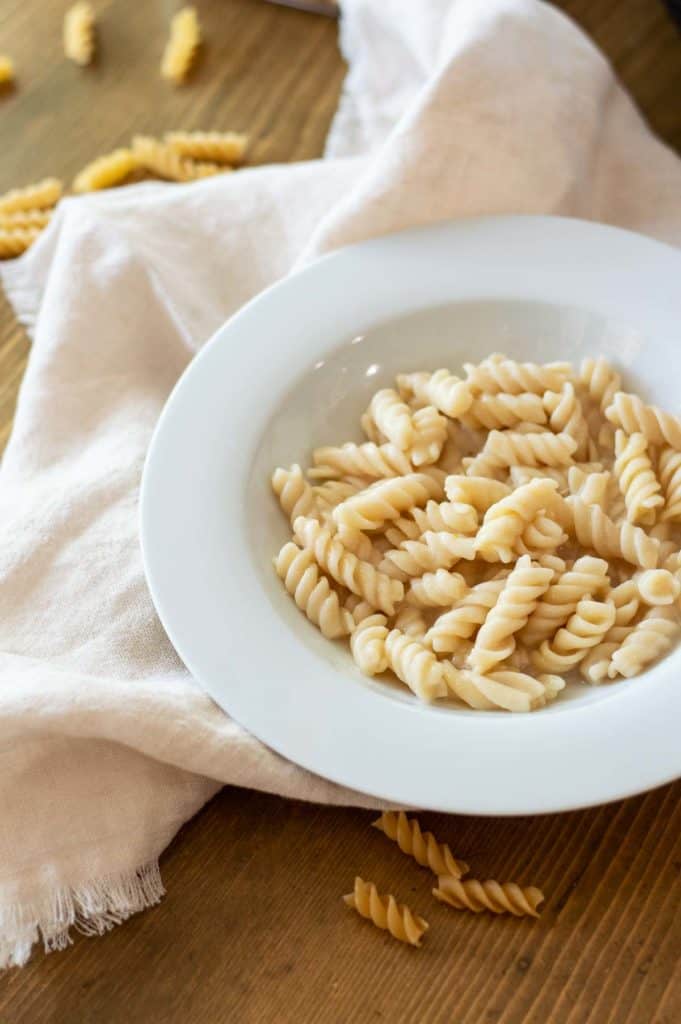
{"x": 253, "y": 928}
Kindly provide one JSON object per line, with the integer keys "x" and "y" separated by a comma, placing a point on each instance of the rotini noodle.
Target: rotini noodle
{"x": 436, "y": 589}
{"x": 435, "y": 550}
{"x": 24, "y": 219}
{"x": 312, "y": 592}
{"x": 212, "y": 147}
{"x": 411, "y": 622}
{"x": 386, "y": 500}
{"x": 652, "y": 637}
{"x": 657, "y": 586}
{"x": 638, "y": 483}
{"x": 430, "y": 434}
{"x": 386, "y": 913}
{"x": 632, "y": 414}
{"x": 422, "y": 846}
{"x": 480, "y": 492}
{"x": 183, "y": 42}
{"x": 367, "y": 644}
{"x": 446, "y": 515}
{"x": 588, "y": 576}
{"x": 498, "y": 373}
{"x": 669, "y": 471}
{"x": 593, "y": 529}
{"x": 105, "y": 171}
{"x": 442, "y": 389}
{"x": 34, "y": 197}
{"x": 463, "y": 620}
{"x": 506, "y": 898}
{"x": 370, "y": 460}
{"x": 166, "y": 163}
{"x": 79, "y": 33}
{"x": 415, "y": 665}
{"x": 492, "y": 412}
{"x": 600, "y": 380}
{"x": 296, "y": 496}
{"x": 567, "y": 416}
{"x": 505, "y": 521}
{"x": 392, "y": 417}
{"x": 16, "y": 241}
{"x": 586, "y": 627}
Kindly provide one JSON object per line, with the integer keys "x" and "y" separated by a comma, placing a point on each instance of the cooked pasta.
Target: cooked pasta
{"x": 166, "y": 163}
{"x": 79, "y": 33}
{"x": 483, "y": 566}
{"x": 495, "y": 641}
{"x": 422, "y": 846}
{"x": 16, "y": 241}
{"x": 33, "y": 197}
{"x": 105, "y": 171}
{"x": 183, "y": 42}
{"x": 6, "y": 69}
{"x": 360, "y": 577}
{"x": 386, "y": 913}
{"x": 312, "y": 592}
{"x": 506, "y": 898}
{"x": 212, "y": 147}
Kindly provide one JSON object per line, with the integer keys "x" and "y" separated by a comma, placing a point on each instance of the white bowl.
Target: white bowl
{"x": 295, "y": 369}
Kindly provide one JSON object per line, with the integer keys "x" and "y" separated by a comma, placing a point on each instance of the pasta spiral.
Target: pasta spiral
{"x": 410, "y": 621}
{"x": 442, "y": 389}
{"x": 34, "y": 197}
{"x": 105, "y": 171}
{"x": 422, "y": 846}
{"x": 491, "y": 412}
{"x": 588, "y": 575}
{"x": 585, "y": 628}
{"x": 592, "y": 488}
{"x": 436, "y": 589}
{"x": 166, "y": 163}
{"x": 567, "y": 416}
{"x": 183, "y": 42}
{"x": 652, "y": 637}
{"x": 633, "y": 415}
{"x": 24, "y": 219}
{"x": 312, "y": 592}
{"x": 370, "y": 460}
{"x": 478, "y": 491}
{"x": 392, "y": 417}
{"x": 505, "y": 448}
{"x": 496, "y": 638}
{"x": 296, "y": 496}
{"x": 600, "y": 380}
{"x": 658, "y": 587}
{"x": 6, "y": 69}
{"x": 447, "y": 515}
{"x": 430, "y": 434}
{"x": 79, "y": 29}
{"x": 386, "y": 913}
{"x": 504, "y": 690}
{"x": 669, "y": 470}
{"x": 367, "y": 644}
{"x": 437, "y": 549}
{"x": 415, "y": 665}
{"x": 385, "y": 500}
{"x": 360, "y": 577}
{"x": 638, "y": 483}
{"x": 214, "y": 147}
{"x": 506, "y": 520}
{"x": 593, "y": 529}
{"x": 506, "y": 898}
{"x": 498, "y": 373}
{"x": 449, "y": 629}
{"x": 542, "y": 534}
{"x": 330, "y": 493}
{"x": 16, "y": 241}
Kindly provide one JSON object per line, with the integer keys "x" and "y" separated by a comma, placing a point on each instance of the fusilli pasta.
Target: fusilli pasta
{"x": 498, "y": 373}
{"x": 212, "y": 147}
{"x": 652, "y": 637}
{"x": 166, "y": 163}
{"x": 415, "y": 665}
{"x": 585, "y": 628}
{"x": 312, "y": 592}
{"x": 105, "y": 171}
{"x": 79, "y": 33}
{"x": 638, "y": 483}
{"x": 633, "y": 415}
{"x": 422, "y": 846}
{"x": 183, "y": 42}
{"x": 506, "y": 898}
{"x": 385, "y": 500}
{"x": 34, "y": 197}
{"x": 442, "y": 389}
{"x": 386, "y": 913}
{"x": 392, "y": 417}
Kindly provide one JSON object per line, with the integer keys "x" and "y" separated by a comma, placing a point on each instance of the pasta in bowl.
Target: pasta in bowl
{"x": 486, "y": 551}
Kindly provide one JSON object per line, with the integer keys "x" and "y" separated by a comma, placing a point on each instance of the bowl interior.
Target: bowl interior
{"x": 324, "y": 404}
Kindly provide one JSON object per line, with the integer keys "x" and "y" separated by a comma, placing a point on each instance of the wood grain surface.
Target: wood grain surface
{"x": 253, "y": 928}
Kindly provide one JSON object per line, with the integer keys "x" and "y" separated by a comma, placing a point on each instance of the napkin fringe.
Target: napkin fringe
{"x": 92, "y": 909}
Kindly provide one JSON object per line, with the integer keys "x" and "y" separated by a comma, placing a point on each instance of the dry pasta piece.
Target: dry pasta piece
{"x": 435, "y": 550}
{"x": 669, "y": 471}
{"x": 567, "y": 416}
{"x": 370, "y": 460}
{"x": 410, "y": 621}
{"x": 493, "y": 412}
{"x": 496, "y": 638}
{"x": 443, "y": 389}
{"x": 498, "y": 373}
{"x": 6, "y": 69}
{"x": 633, "y": 415}
{"x": 183, "y": 42}
{"x": 367, "y": 644}
{"x": 34, "y": 197}
{"x": 415, "y": 665}
{"x": 13, "y": 243}
{"x": 360, "y": 577}
{"x": 446, "y": 515}
{"x": 392, "y": 417}
{"x": 311, "y": 592}
{"x": 166, "y": 163}
{"x": 105, "y": 171}
{"x": 478, "y": 491}
{"x": 593, "y": 529}
{"x": 296, "y": 496}
{"x": 499, "y": 898}
{"x": 214, "y": 147}
{"x": 422, "y": 846}
{"x": 79, "y": 33}
{"x": 504, "y": 448}
{"x": 585, "y": 628}
{"x": 638, "y": 483}
{"x": 600, "y": 380}
{"x": 588, "y": 575}
{"x": 24, "y": 219}
{"x": 386, "y": 500}
{"x": 506, "y": 520}
{"x": 657, "y": 586}
{"x": 386, "y": 913}
{"x": 436, "y": 589}
{"x": 462, "y": 621}
{"x": 430, "y": 434}
{"x": 652, "y": 637}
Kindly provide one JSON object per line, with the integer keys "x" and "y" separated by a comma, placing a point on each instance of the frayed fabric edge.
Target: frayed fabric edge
{"x": 92, "y": 909}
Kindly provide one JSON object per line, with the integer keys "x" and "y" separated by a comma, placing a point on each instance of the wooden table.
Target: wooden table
{"x": 252, "y": 928}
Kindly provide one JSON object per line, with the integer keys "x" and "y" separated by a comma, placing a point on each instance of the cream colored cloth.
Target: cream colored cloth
{"x": 107, "y": 745}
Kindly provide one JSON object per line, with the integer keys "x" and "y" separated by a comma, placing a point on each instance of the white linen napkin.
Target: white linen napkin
{"x": 451, "y": 108}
